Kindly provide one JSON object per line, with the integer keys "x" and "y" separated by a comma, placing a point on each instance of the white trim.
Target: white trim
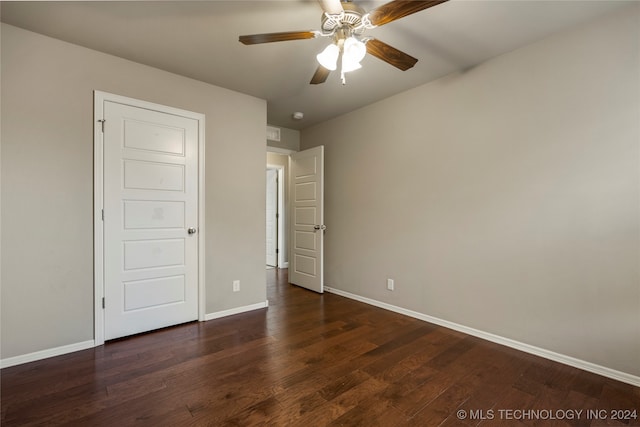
{"x": 280, "y": 150}
{"x": 547, "y": 354}
{"x": 45, "y": 354}
{"x": 285, "y": 265}
{"x": 98, "y": 229}
{"x": 237, "y": 310}
{"x": 281, "y": 212}
{"x": 98, "y": 178}
{"x": 202, "y": 307}
{"x": 282, "y": 215}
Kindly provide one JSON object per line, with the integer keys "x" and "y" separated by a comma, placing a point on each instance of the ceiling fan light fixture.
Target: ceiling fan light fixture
{"x": 349, "y": 64}
{"x": 354, "y": 49}
{"x": 328, "y": 58}
{"x": 346, "y": 24}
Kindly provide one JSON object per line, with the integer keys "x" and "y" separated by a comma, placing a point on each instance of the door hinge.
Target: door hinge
{"x": 277, "y": 215}
{"x": 102, "y": 302}
{"x": 102, "y": 123}
{"x": 277, "y": 250}
{"x": 103, "y": 214}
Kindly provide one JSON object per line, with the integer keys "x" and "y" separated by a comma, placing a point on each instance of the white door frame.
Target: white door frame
{"x": 281, "y": 213}
{"x": 98, "y": 201}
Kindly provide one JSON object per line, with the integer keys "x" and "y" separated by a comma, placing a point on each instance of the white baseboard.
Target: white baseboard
{"x": 285, "y": 265}
{"x": 44, "y": 354}
{"x": 547, "y": 354}
{"x": 237, "y": 310}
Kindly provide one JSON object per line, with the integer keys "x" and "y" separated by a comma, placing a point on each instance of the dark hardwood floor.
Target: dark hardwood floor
{"x": 309, "y": 360}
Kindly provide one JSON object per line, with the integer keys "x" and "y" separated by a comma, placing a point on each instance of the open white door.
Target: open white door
{"x": 306, "y": 266}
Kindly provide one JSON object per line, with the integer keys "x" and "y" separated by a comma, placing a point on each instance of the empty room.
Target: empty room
{"x": 446, "y": 195}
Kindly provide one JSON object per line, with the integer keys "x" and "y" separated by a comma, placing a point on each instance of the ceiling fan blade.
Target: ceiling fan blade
{"x": 277, "y": 37}
{"x": 320, "y": 75}
{"x": 397, "y": 9}
{"x": 332, "y": 7}
{"x": 390, "y": 55}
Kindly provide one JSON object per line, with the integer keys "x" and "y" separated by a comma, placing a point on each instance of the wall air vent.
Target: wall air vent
{"x": 273, "y": 133}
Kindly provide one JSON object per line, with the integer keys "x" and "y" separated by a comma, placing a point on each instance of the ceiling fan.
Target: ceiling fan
{"x": 345, "y": 23}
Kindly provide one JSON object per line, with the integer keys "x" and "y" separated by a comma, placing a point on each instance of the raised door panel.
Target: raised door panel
{"x": 146, "y": 214}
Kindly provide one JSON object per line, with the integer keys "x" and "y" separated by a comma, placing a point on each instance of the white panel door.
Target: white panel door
{"x": 272, "y": 220}
{"x": 307, "y": 219}
{"x": 150, "y": 219}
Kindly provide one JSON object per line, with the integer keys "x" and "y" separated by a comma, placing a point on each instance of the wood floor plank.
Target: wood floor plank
{"x": 370, "y": 410}
{"x": 443, "y": 407}
{"x": 356, "y": 395}
{"x": 343, "y": 384}
{"x": 307, "y": 410}
{"x": 308, "y": 360}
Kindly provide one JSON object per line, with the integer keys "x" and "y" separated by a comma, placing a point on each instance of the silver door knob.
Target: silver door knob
{"x": 191, "y": 230}
{"x": 320, "y": 227}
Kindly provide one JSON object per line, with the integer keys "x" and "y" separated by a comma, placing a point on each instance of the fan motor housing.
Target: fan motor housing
{"x": 351, "y": 18}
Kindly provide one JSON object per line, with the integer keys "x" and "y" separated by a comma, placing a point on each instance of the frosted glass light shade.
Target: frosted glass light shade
{"x": 328, "y": 58}
{"x": 349, "y": 65}
{"x": 354, "y": 49}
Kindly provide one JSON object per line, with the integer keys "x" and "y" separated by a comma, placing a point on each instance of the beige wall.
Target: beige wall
{"x": 504, "y": 198}
{"x": 47, "y": 185}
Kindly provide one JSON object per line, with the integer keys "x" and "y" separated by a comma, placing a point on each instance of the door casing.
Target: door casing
{"x": 272, "y": 202}
{"x": 282, "y": 215}
{"x": 98, "y": 178}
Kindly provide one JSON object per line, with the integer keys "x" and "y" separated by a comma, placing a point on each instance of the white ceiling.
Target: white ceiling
{"x": 200, "y": 40}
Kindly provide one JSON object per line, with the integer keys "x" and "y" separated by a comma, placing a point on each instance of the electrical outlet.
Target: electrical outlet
{"x": 390, "y": 284}
{"x": 236, "y": 286}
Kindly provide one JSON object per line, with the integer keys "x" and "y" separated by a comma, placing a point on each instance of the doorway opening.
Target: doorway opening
{"x": 148, "y": 237}
{"x": 300, "y": 235}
